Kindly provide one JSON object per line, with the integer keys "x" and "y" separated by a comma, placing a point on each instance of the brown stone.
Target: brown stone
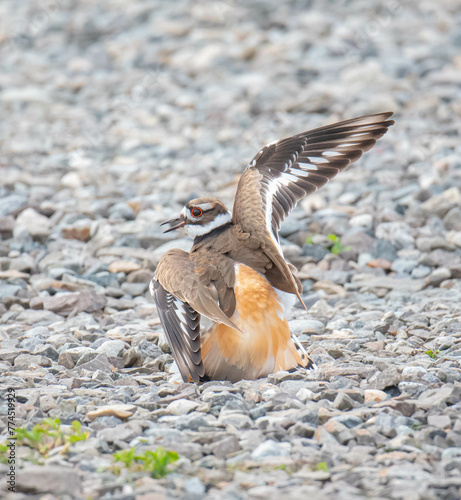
{"x": 379, "y": 263}
{"x": 121, "y": 411}
{"x": 76, "y": 233}
{"x": 123, "y": 266}
{"x": 330, "y": 288}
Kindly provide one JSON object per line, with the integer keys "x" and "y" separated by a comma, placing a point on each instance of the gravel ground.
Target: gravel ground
{"x": 115, "y": 114}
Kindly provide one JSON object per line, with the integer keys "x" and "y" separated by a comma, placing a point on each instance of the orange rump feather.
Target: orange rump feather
{"x": 265, "y": 345}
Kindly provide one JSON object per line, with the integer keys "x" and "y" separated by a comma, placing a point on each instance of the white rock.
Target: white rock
{"x": 270, "y": 448}
{"x": 181, "y": 407}
{"x": 413, "y": 372}
{"x": 112, "y": 348}
{"x": 454, "y": 237}
{"x": 363, "y": 220}
{"x": 37, "y": 225}
{"x": 71, "y": 180}
{"x": 305, "y": 395}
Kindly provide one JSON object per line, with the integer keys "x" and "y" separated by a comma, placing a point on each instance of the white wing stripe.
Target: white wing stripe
{"x": 288, "y": 176}
{"x": 332, "y": 153}
{"x": 180, "y": 311}
{"x": 300, "y": 173}
{"x": 307, "y": 161}
{"x": 318, "y": 159}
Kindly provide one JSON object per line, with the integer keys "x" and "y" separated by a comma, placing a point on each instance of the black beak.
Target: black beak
{"x": 178, "y": 222}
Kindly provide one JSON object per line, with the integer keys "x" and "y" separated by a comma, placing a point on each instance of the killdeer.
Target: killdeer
{"x": 235, "y": 274}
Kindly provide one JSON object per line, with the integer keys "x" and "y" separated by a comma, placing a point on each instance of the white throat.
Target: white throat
{"x": 201, "y": 229}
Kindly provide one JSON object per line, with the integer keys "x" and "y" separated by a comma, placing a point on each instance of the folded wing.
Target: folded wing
{"x": 181, "y": 297}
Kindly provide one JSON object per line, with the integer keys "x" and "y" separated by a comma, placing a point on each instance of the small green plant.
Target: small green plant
{"x": 46, "y": 436}
{"x": 155, "y": 462}
{"x": 322, "y": 466}
{"x": 76, "y": 433}
{"x": 337, "y": 246}
{"x": 334, "y": 247}
{"x": 3, "y": 453}
{"x": 127, "y": 457}
{"x": 432, "y": 354}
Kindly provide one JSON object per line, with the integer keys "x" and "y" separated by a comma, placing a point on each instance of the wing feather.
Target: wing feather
{"x": 293, "y": 168}
{"x": 182, "y": 296}
{"x": 182, "y": 328}
{"x": 285, "y": 171}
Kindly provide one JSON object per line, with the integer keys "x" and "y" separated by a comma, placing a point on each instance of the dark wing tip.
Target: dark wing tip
{"x": 182, "y": 329}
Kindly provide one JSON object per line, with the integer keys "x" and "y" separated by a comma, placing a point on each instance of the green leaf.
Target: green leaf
{"x": 125, "y": 456}
{"x": 322, "y": 466}
{"x": 76, "y": 426}
{"x": 432, "y": 354}
{"x": 54, "y": 423}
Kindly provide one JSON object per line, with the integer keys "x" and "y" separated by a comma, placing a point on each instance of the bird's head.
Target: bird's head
{"x": 200, "y": 217}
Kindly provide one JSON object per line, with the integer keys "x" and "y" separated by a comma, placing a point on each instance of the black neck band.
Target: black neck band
{"x": 213, "y": 232}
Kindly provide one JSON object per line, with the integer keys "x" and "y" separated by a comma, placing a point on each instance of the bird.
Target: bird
{"x": 224, "y": 305}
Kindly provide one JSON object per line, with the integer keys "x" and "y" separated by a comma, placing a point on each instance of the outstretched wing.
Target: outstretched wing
{"x": 287, "y": 170}
{"x": 181, "y": 297}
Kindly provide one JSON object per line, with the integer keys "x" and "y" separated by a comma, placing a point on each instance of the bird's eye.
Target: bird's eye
{"x": 196, "y": 212}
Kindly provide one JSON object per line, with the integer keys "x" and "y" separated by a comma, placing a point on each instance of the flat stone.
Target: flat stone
{"x": 441, "y": 421}
{"x": 52, "y": 479}
{"x": 123, "y": 266}
{"x": 370, "y": 281}
{"x": 374, "y": 396}
{"x": 406, "y": 408}
{"x": 7, "y": 290}
{"x": 66, "y": 303}
{"x": 10, "y": 354}
{"x": 379, "y": 264}
{"x": 225, "y": 447}
{"x": 330, "y": 288}
{"x": 141, "y": 276}
{"x": 387, "y": 378}
{"x": 181, "y": 407}
{"x": 12, "y": 274}
{"x": 33, "y": 317}
{"x": 121, "y": 411}
{"x": 122, "y": 432}
{"x": 437, "y": 276}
